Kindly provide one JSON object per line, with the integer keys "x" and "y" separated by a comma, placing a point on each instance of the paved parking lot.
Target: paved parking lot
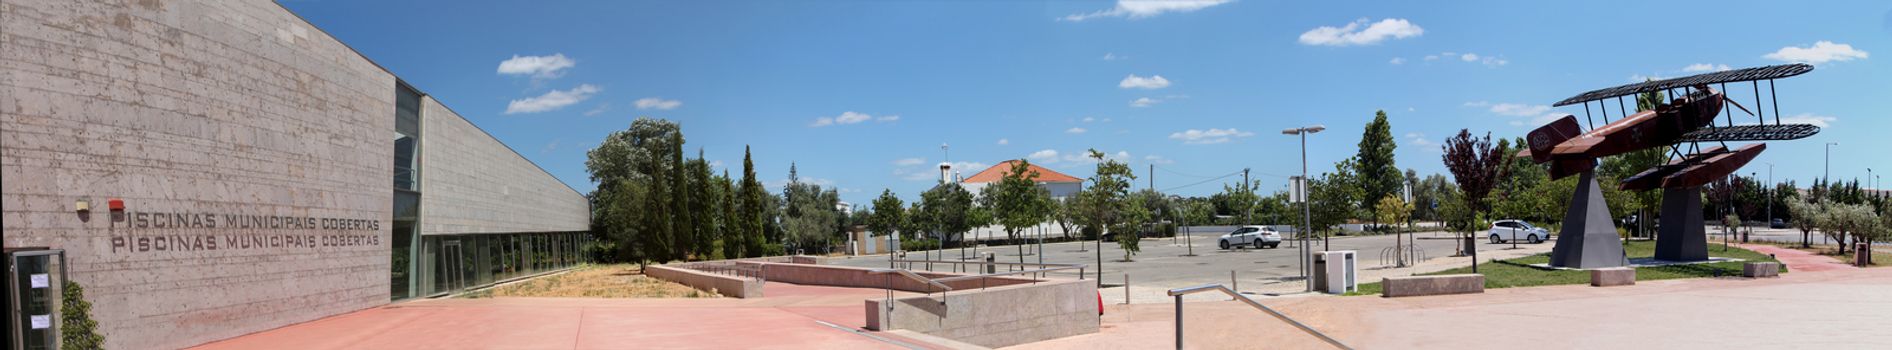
{"x": 1162, "y": 263}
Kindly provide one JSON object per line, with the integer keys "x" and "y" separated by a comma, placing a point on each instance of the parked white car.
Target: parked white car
{"x": 1253, "y": 236}
{"x": 1517, "y": 230}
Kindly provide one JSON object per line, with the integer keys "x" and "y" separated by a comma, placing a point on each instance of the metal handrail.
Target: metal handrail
{"x": 1009, "y": 273}
{"x": 912, "y": 276}
{"x": 980, "y": 262}
{"x": 1178, "y": 293}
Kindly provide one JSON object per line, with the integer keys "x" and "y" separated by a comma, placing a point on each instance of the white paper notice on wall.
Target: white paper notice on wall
{"x": 39, "y": 280}
{"x": 42, "y": 321}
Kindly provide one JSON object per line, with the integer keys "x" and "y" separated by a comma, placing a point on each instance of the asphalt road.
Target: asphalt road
{"x": 1163, "y": 261}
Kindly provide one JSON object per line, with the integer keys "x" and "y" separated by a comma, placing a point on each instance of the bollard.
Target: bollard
{"x": 1234, "y": 284}
{"x": 1126, "y": 289}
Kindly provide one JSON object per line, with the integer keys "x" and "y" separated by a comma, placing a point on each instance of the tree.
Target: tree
{"x": 1017, "y": 202}
{"x": 1392, "y": 209}
{"x": 948, "y": 208}
{"x": 1104, "y": 203}
{"x": 1476, "y": 167}
{"x": 1806, "y": 217}
{"x": 751, "y": 201}
{"x": 1430, "y": 196}
{"x": 889, "y": 214}
{"x": 1375, "y": 173}
{"x": 77, "y": 330}
{"x": 917, "y": 226}
{"x": 809, "y": 217}
{"x": 632, "y": 200}
{"x": 732, "y": 244}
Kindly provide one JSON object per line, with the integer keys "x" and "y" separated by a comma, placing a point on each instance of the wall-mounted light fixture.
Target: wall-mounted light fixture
{"x": 117, "y": 205}
{"x": 82, "y": 206}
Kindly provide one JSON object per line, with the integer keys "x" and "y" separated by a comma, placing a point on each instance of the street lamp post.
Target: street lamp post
{"x": 1307, "y": 222}
{"x": 1827, "y": 174}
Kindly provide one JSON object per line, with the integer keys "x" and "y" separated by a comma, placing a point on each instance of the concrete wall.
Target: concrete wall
{"x": 995, "y": 317}
{"x": 725, "y": 285}
{"x": 848, "y": 276}
{"x": 204, "y": 109}
{"x": 472, "y": 183}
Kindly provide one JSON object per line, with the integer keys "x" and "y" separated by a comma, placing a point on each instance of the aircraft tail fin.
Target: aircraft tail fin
{"x": 1545, "y": 138}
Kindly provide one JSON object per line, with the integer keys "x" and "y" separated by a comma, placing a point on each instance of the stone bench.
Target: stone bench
{"x": 1760, "y": 269}
{"x": 1393, "y": 287}
{"x": 1614, "y": 276}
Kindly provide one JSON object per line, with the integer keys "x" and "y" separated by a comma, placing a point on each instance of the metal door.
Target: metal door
{"x": 455, "y": 266}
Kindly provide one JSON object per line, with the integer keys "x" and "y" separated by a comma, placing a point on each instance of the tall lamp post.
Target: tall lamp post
{"x": 1769, "y": 191}
{"x": 1827, "y": 174}
{"x": 1307, "y": 222}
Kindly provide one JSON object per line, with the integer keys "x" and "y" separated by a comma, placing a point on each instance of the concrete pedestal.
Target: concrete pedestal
{"x": 1589, "y": 238}
{"x": 1682, "y": 236}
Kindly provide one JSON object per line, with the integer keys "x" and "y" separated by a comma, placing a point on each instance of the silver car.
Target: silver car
{"x": 1253, "y": 236}
{"x": 1517, "y": 230}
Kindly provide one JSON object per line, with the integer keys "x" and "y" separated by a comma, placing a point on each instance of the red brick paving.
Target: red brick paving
{"x": 787, "y": 318}
{"x": 1799, "y": 260}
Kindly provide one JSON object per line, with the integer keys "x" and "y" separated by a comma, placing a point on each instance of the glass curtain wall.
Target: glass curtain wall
{"x": 401, "y": 274}
{"x": 453, "y": 263}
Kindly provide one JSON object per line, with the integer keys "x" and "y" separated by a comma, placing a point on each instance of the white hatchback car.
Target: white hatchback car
{"x": 1254, "y": 236}
{"x": 1514, "y": 230}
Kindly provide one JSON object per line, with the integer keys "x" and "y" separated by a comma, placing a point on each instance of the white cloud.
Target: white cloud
{"x": 1354, "y": 34}
{"x": 1397, "y": 60}
{"x": 1113, "y": 57}
{"x": 909, "y": 161}
{"x": 658, "y": 103}
{"x": 1820, "y": 53}
{"x": 1704, "y": 67}
{"x": 1637, "y": 78}
{"x": 1468, "y": 57}
{"x": 1144, "y": 102}
{"x": 1518, "y": 110}
{"x": 1211, "y": 136}
{"x": 536, "y": 66}
{"x": 1135, "y": 9}
{"x": 600, "y": 109}
{"x": 851, "y": 117}
{"x": 1807, "y": 118}
{"x": 1088, "y": 119}
{"x": 552, "y": 100}
{"x": 1152, "y": 82}
{"x": 1044, "y": 156}
{"x": 1075, "y": 130}
{"x": 1521, "y": 114}
{"x": 1156, "y": 159}
{"x": 549, "y": 146}
{"x": 1004, "y": 142}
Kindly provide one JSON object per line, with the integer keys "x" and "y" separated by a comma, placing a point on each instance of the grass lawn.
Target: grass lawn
{"x": 595, "y": 281}
{"x": 1516, "y": 273}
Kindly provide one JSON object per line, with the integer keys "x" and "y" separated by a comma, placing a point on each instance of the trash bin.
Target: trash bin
{"x": 989, "y": 266}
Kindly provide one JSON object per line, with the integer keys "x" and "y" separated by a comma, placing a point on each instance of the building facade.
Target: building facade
{"x": 246, "y": 171}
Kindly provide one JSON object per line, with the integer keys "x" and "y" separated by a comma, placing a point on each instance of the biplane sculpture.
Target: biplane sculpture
{"x": 1589, "y": 239}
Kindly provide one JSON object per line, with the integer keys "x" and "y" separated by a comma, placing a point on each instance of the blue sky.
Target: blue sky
{"x": 861, "y": 94}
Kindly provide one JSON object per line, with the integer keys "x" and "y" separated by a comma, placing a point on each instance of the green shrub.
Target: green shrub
{"x": 918, "y": 245}
{"x": 77, "y": 330}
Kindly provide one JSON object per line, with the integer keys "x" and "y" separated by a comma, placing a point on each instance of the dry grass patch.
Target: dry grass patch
{"x": 599, "y": 281}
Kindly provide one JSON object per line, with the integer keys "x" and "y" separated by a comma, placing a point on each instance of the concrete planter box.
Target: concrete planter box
{"x": 1615, "y": 276}
{"x": 708, "y": 282}
{"x": 1760, "y": 269}
{"x": 994, "y": 317}
{"x": 1394, "y": 287}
